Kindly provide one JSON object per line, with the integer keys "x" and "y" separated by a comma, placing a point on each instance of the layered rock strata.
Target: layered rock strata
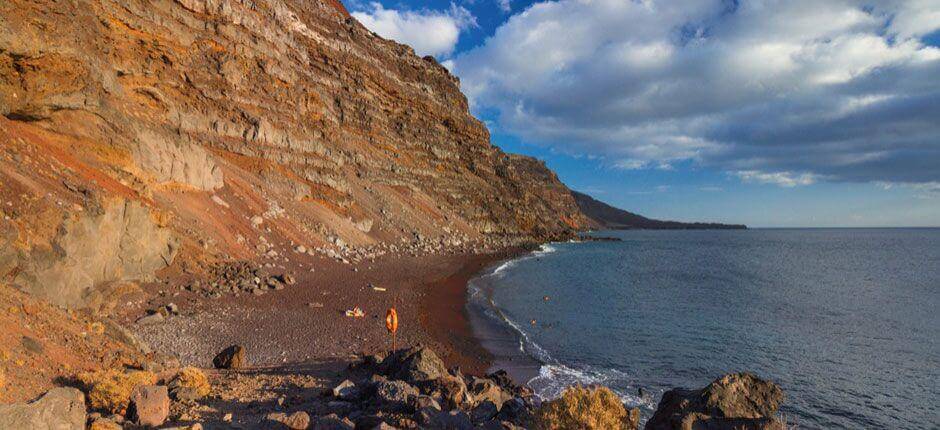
{"x": 240, "y": 123}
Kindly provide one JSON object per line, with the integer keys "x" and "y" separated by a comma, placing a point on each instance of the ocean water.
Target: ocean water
{"x": 847, "y": 321}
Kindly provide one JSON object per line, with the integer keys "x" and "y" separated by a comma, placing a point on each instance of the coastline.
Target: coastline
{"x": 468, "y": 337}
{"x": 306, "y": 321}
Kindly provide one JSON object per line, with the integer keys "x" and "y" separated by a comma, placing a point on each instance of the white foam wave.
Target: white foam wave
{"x": 553, "y": 376}
{"x": 553, "y": 379}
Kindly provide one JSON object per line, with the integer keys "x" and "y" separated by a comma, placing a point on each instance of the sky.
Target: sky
{"x": 771, "y": 113}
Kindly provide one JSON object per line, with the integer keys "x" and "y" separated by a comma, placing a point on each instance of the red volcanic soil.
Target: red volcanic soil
{"x": 338, "y": 5}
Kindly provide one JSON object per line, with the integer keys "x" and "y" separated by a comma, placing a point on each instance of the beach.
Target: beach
{"x": 307, "y": 321}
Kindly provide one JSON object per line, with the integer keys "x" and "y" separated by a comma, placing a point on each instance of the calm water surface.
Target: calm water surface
{"x": 847, "y": 321}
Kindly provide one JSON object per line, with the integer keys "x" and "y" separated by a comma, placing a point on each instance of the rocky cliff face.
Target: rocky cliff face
{"x": 234, "y": 124}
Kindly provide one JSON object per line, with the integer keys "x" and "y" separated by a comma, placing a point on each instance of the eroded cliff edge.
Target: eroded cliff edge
{"x": 222, "y": 126}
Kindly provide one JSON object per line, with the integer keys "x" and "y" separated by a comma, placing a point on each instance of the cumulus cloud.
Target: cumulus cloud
{"x": 787, "y": 92}
{"x": 428, "y": 32}
{"x": 504, "y": 5}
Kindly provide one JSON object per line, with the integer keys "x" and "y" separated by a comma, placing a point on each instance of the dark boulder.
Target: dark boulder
{"x": 483, "y": 412}
{"x": 395, "y": 396}
{"x": 413, "y": 365}
{"x": 735, "y": 401}
{"x": 232, "y": 357}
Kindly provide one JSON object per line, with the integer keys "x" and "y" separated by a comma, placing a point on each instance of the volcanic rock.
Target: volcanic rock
{"x": 232, "y": 357}
{"x": 296, "y": 421}
{"x": 414, "y": 365}
{"x": 734, "y": 401}
{"x": 150, "y": 405}
{"x": 395, "y": 395}
{"x": 59, "y": 408}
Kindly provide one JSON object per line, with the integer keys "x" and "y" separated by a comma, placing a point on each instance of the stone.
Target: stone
{"x": 152, "y": 319}
{"x": 346, "y": 390}
{"x": 299, "y": 420}
{"x": 484, "y": 411}
{"x": 734, "y": 401}
{"x": 232, "y": 357}
{"x": 150, "y": 405}
{"x": 514, "y": 410}
{"x": 395, "y": 395}
{"x": 414, "y": 365}
{"x": 483, "y": 389}
{"x": 257, "y": 220}
{"x": 288, "y": 279}
{"x": 32, "y": 345}
{"x": 332, "y": 422}
{"x": 172, "y": 309}
{"x": 163, "y": 365}
{"x": 58, "y": 409}
{"x": 452, "y": 391}
{"x": 422, "y": 401}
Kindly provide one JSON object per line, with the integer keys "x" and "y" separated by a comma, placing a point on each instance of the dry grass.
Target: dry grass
{"x": 110, "y": 390}
{"x": 192, "y": 377}
{"x": 585, "y": 408}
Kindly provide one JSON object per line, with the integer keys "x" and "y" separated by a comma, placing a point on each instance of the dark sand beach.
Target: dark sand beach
{"x": 306, "y": 321}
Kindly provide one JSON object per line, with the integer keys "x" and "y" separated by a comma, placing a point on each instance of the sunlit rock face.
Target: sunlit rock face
{"x": 213, "y": 112}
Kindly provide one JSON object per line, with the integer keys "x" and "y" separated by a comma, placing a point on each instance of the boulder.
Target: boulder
{"x": 395, "y": 396}
{"x": 346, "y": 390}
{"x": 483, "y": 412}
{"x": 423, "y": 401}
{"x": 58, "y": 409}
{"x": 150, "y": 405}
{"x": 232, "y": 357}
{"x": 413, "y": 365}
{"x": 296, "y": 421}
{"x": 483, "y": 389}
{"x": 502, "y": 378}
{"x": 515, "y": 410}
{"x": 162, "y": 365}
{"x": 734, "y": 401}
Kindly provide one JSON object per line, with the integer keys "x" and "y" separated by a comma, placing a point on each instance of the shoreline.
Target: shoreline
{"x": 306, "y": 321}
{"x": 474, "y": 341}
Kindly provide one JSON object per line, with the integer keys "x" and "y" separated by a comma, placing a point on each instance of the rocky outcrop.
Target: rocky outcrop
{"x": 59, "y": 409}
{"x": 223, "y": 111}
{"x": 117, "y": 240}
{"x": 409, "y": 387}
{"x": 738, "y": 401}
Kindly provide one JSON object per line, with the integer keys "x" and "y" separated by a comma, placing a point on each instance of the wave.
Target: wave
{"x": 543, "y": 250}
{"x": 553, "y": 376}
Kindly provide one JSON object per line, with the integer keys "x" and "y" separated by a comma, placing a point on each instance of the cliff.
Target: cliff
{"x": 137, "y": 135}
{"x": 608, "y": 217}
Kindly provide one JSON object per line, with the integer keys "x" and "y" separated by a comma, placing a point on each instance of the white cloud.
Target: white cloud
{"x": 837, "y": 89}
{"x": 428, "y": 32}
{"x": 504, "y": 5}
{"x": 783, "y": 179}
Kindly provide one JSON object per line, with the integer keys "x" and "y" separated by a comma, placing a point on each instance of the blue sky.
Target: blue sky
{"x": 772, "y": 113}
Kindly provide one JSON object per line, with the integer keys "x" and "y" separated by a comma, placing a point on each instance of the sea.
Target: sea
{"x": 846, "y": 321}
